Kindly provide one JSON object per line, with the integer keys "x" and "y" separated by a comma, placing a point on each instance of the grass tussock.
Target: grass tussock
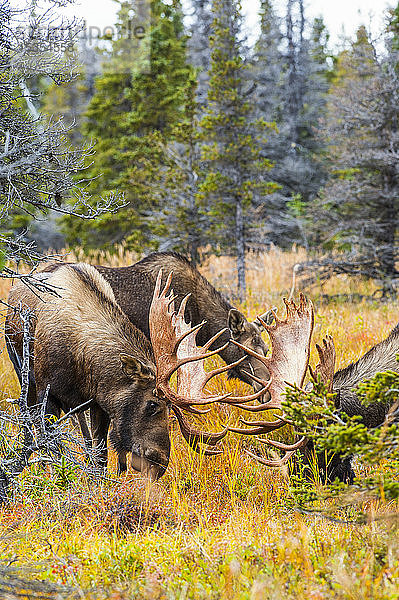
{"x": 220, "y": 527}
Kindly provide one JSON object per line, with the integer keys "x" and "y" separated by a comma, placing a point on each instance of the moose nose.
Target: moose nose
{"x": 150, "y": 461}
{"x": 158, "y": 460}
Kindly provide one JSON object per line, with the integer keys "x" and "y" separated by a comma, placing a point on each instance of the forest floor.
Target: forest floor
{"x": 213, "y": 527}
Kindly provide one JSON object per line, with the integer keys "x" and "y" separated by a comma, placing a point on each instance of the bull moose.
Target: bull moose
{"x": 86, "y": 349}
{"x": 133, "y": 287}
{"x": 290, "y": 339}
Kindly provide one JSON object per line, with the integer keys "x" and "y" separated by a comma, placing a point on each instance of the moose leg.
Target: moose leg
{"x": 99, "y": 421}
{"x": 122, "y": 464}
{"x": 81, "y": 418}
{"x": 52, "y": 408}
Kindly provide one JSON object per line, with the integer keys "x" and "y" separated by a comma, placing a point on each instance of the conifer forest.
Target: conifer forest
{"x": 199, "y": 278}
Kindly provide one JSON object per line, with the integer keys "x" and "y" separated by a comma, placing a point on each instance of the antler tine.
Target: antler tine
{"x": 326, "y": 366}
{"x": 252, "y": 431}
{"x": 262, "y": 320}
{"x": 279, "y": 422}
{"x": 188, "y": 403}
{"x": 263, "y": 323}
{"x": 269, "y": 405}
{"x": 254, "y": 409}
{"x": 171, "y": 299}
{"x": 166, "y": 286}
{"x": 214, "y": 338}
{"x": 185, "y": 334}
{"x": 302, "y": 302}
{"x": 258, "y": 427}
{"x": 182, "y": 307}
{"x": 237, "y": 400}
{"x": 194, "y": 437}
{"x": 248, "y": 350}
{"x": 208, "y": 451}
{"x": 287, "y": 447}
{"x": 269, "y": 462}
{"x": 197, "y": 411}
{"x": 223, "y": 369}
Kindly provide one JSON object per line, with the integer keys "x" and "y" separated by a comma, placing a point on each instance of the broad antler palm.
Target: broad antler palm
{"x": 175, "y": 349}
{"x": 290, "y": 340}
{"x": 326, "y": 367}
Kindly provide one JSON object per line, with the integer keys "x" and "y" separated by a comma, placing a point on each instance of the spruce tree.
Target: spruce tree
{"x": 235, "y": 170}
{"x": 184, "y": 222}
{"x": 267, "y": 72}
{"x": 305, "y": 87}
{"x": 290, "y": 68}
{"x": 137, "y": 102}
{"x": 268, "y": 63}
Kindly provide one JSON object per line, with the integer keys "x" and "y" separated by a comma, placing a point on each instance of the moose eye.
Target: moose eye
{"x": 256, "y": 340}
{"x": 152, "y": 407}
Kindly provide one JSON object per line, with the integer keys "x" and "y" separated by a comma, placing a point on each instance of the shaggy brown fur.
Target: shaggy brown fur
{"x": 86, "y": 348}
{"x": 380, "y": 358}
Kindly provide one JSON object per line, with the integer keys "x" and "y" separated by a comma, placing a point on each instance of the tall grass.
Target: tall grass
{"x": 218, "y": 527}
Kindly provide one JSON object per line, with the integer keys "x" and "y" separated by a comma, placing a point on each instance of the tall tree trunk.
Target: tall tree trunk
{"x": 194, "y": 237}
{"x": 387, "y": 234}
{"x": 194, "y": 252}
{"x": 240, "y": 245}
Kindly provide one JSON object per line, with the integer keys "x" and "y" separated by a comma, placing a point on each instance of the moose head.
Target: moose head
{"x": 248, "y": 334}
{"x": 175, "y": 351}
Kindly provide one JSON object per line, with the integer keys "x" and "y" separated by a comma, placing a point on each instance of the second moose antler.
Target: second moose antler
{"x": 326, "y": 367}
{"x": 175, "y": 349}
{"x": 288, "y": 364}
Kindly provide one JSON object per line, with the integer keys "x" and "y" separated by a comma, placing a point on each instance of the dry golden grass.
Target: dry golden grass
{"x": 221, "y": 527}
{"x": 9, "y": 387}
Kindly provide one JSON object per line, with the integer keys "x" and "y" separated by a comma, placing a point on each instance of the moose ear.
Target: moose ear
{"x": 267, "y": 317}
{"x": 236, "y": 322}
{"x": 134, "y": 368}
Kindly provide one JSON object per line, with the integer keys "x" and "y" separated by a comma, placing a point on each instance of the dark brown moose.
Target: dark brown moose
{"x": 290, "y": 339}
{"x": 380, "y": 358}
{"x": 86, "y": 349}
{"x": 133, "y": 287}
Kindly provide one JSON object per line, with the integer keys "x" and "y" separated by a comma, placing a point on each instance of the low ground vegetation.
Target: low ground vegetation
{"x": 218, "y": 527}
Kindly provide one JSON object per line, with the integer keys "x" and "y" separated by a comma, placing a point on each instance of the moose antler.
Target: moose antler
{"x": 174, "y": 346}
{"x": 173, "y": 342}
{"x": 290, "y": 339}
{"x": 192, "y": 381}
{"x": 326, "y": 367}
